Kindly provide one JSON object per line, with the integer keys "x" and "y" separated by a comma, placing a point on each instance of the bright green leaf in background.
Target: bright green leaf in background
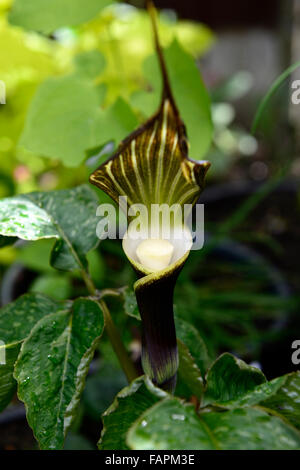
{"x": 56, "y": 286}
{"x": 65, "y": 119}
{"x": 35, "y": 256}
{"x": 61, "y": 122}
{"x": 52, "y": 367}
{"x": 25, "y": 57}
{"x": 127, "y": 40}
{"x": 116, "y": 122}
{"x": 55, "y": 14}
{"x": 67, "y": 215}
{"x": 111, "y": 46}
{"x": 16, "y": 321}
{"x": 90, "y": 63}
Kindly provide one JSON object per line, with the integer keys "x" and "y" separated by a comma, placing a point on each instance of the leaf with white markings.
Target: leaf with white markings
{"x": 172, "y": 425}
{"x": 280, "y": 396}
{"x": 16, "y": 321}
{"x": 128, "y": 405}
{"x": 230, "y": 378}
{"x": 52, "y": 367}
{"x": 286, "y": 401}
{"x": 67, "y": 215}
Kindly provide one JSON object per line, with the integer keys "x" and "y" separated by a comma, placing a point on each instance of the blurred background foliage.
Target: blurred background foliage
{"x": 78, "y": 80}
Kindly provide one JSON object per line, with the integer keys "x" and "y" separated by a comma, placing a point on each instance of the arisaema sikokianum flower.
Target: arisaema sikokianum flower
{"x": 150, "y": 169}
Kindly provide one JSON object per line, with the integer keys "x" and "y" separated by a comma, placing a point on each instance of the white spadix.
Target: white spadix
{"x": 155, "y": 254}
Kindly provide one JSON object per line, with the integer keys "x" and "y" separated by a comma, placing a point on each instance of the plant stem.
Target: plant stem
{"x": 88, "y": 282}
{"x": 117, "y": 343}
{"x": 113, "y": 333}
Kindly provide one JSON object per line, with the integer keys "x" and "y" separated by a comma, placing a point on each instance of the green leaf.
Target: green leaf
{"x": 90, "y": 63}
{"x": 251, "y": 429}
{"x": 77, "y": 442}
{"x": 189, "y": 379}
{"x": 116, "y": 122}
{"x": 255, "y": 395}
{"x": 128, "y": 405}
{"x": 56, "y": 286}
{"x": 286, "y": 402}
{"x": 188, "y": 334}
{"x": 52, "y": 367}
{"x": 65, "y": 119}
{"x": 280, "y": 397}
{"x": 61, "y": 121}
{"x": 21, "y": 217}
{"x": 173, "y": 425}
{"x": 190, "y": 94}
{"x": 67, "y": 215}
{"x": 169, "y": 424}
{"x": 130, "y": 304}
{"x": 274, "y": 87}
{"x": 18, "y": 55}
{"x": 8, "y": 385}
{"x": 34, "y": 14}
{"x": 230, "y": 378}
{"x": 35, "y": 255}
{"x": 96, "y": 267}
{"x": 193, "y": 360}
{"x": 16, "y": 321}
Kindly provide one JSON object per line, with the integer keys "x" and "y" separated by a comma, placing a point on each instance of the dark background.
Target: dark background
{"x": 232, "y": 13}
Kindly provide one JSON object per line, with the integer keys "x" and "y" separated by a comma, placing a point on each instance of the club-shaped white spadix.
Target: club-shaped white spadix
{"x": 155, "y": 254}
